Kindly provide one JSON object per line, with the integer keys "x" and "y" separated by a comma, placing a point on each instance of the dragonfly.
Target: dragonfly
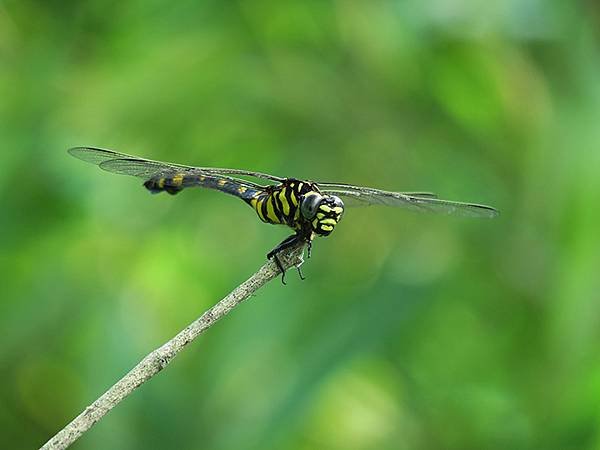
{"x": 310, "y": 208}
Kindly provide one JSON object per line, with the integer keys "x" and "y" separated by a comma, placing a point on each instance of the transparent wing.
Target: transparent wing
{"x": 415, "y": 201}
{"x": 124, "y": 164}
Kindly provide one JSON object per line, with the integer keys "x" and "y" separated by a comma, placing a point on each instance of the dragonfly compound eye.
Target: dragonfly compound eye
{"x": 310, "y": 205}
{"x": 338, "y": 204}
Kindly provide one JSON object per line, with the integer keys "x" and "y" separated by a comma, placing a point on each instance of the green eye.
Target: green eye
{"x": 310, "y": 205}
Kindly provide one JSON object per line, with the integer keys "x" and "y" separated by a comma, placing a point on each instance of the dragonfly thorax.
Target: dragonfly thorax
{"x": 323, "y": 212}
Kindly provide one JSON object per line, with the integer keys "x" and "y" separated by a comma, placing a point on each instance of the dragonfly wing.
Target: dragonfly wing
{"x": 244, "y": 173}
{"x": 151, "y": 169}
{"x": 96, "y": 155}
{"x": 139, "y": 167}
{"x": 330, "y": 187}
{"x": 124, "y": 164}
{"x": 419, "y": 202}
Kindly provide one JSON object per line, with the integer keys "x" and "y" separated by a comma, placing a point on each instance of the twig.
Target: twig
{"x": 161, "y": 357}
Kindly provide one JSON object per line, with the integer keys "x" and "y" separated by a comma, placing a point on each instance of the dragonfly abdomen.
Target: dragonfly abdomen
{"x": 173, "y": 183}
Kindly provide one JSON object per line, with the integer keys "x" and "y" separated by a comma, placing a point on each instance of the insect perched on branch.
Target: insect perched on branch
{"x": 309, "y": 208}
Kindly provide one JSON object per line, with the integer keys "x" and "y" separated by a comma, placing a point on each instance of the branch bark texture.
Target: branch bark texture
{"x": 157, "y": 360}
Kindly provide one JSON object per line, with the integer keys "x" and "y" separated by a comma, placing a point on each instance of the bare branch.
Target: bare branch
{"x": 161, "y": 357}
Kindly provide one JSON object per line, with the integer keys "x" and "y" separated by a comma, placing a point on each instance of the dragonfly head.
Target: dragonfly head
{"x": 322, "y": 211}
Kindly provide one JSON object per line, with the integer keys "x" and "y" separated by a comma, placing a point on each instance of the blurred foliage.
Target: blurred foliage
{"x": 411, "y": 331}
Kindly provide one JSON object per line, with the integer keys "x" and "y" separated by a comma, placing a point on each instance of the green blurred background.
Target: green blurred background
{"x": 411, "y": 331}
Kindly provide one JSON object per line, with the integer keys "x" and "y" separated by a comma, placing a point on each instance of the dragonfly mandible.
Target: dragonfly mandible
{"x": 310, "y": 208}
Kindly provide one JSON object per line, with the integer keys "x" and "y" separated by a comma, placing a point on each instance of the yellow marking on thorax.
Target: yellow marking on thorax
{"x": 284, "y": 202}
{"x": 326, "y": 227}
{"x": 271, "y": 210}
{"x": 242, "y": 189}
{"x": 222, "y": 182}
{"x": 325, "y": 208}
{"x": 293, "y": 194}
{"x": 297, "y": 219}
{"x": 338, "y": 210}
{"x": 177, "y": 179}
{"x": 329, "y": 221}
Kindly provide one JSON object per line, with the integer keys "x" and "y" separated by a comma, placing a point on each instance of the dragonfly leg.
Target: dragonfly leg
{"x": 288, "y": 242}
{"x": 309, "y": 251}
{"x": 300, "y": 274}
{"x": 280, "y": 267}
